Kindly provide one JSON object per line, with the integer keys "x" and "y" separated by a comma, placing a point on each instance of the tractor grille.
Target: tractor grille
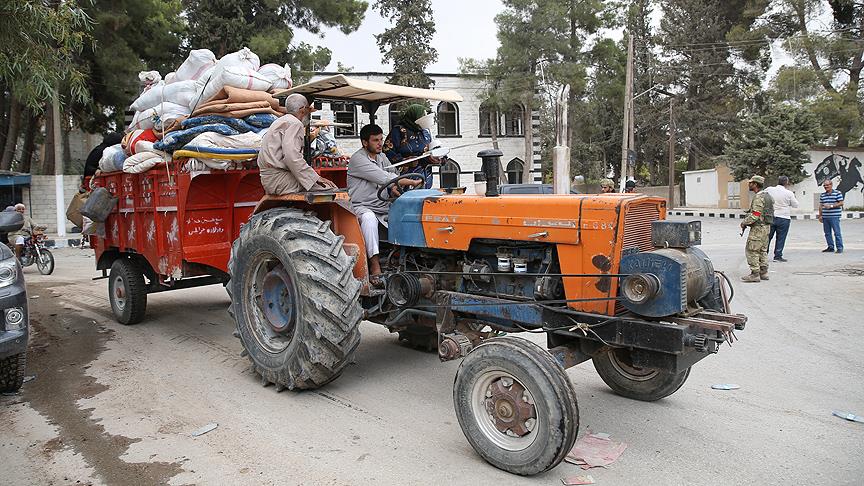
{"x": 637, "y": 225}
{"x": 637, "y": 232}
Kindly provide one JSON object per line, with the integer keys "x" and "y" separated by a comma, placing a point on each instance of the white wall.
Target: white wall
{"x": 701, "y": 188}
{"x": 807, "y": 191}
{"x": 463, "y": 148}
{"x": 41, "y": 203}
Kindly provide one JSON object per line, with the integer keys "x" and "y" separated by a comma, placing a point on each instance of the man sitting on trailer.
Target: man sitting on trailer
{"x": 283, "y": 168}
{"x": 368, "y": 170}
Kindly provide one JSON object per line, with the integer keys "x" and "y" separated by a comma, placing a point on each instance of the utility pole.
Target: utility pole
{"x": 671, "y": 203}
{"x": 58, "y": 164}
{"x": 627, "y": 131}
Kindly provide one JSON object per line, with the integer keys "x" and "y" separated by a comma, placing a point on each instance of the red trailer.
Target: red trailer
{"x": 173, "y": 229}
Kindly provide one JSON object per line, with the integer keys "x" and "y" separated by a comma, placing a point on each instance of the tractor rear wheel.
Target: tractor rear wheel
{"x": 294, "y": 298}
{"x": 516, "y": 405}
{"x": 616, "y": 369}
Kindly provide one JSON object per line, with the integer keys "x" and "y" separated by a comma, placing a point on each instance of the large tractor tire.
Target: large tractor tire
{"x": 294, "y": 298}
{"x": 516, "y": 405}
{"x": 127, "y": 291}
{"x": 648, "y": 385}
{"x": 12, "y": 372}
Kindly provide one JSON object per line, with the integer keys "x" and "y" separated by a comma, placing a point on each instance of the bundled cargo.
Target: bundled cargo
{"x": 279, "y": 76}
{"x": 196, "y": 64}
{"x": 112, "y": 159}
{"x": 179, "y": 92}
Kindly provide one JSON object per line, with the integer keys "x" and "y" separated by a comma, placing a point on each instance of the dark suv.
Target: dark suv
{"x": 14, "y": 322}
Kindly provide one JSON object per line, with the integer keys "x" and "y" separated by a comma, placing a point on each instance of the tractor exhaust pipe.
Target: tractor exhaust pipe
{"x": 491, "y": 163}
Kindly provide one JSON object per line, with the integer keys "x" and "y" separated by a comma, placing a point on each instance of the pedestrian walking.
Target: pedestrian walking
{"x": 784, "y": 201}
{"x": 759, "y": 219}
{"x": 830, "y": 211}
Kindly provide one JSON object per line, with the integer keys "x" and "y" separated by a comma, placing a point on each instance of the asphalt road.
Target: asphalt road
{"x": 117, "y": 405}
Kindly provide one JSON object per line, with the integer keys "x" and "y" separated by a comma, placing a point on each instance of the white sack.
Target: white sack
{"x": 198, "y": 61}
{"x": 142, "y": 120}
{"x": 279, "y": 77}
{"x": 169, "y": 112}
{"x": 171, "y": 78}
{"x": 180, "y": 92}
{"x": 235, "y": 76}
{"x": 149, "y": 78}
{"x": 242, "y": 58}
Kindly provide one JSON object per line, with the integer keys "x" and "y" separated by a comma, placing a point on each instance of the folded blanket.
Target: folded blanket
{"x": 235, "y": 123}
{"x": 230, "y": 94}
{"x": 174, "y": 140}
{"x": 261, "y": 120}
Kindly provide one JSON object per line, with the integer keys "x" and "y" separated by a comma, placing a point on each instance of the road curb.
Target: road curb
{"x": 737, "y": 214}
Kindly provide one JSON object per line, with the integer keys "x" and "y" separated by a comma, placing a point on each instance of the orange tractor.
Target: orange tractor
{"x": 603, "y": 277}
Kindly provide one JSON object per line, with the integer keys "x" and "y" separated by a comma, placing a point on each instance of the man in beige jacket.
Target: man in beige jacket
{"x": 283, "y": 168}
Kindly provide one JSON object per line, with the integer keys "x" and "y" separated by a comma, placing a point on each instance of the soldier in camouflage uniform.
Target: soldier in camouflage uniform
{"x": 759, "y": 219}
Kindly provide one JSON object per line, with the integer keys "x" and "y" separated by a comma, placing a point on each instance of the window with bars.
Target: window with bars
{"x": 345, "y": 113}
{"x": 513, "y": 122}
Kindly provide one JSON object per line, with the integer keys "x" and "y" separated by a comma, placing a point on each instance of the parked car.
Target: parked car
{"x": 528, "y": 189}
{"x": 14, "y": 325}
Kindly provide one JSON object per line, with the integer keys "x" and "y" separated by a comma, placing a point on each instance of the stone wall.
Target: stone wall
{"x": 40, "y": 199}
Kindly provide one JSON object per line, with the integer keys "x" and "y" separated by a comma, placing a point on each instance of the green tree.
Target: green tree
{"x": 773, "y": 143}
{"x": 829, "y": 58}
{"x": 699, "y": 66}
{"x": 38, "y": 45}
{"x": 129, "y": 36}
{"x": 407, "y": 43}
{"x": 266, "y": 27}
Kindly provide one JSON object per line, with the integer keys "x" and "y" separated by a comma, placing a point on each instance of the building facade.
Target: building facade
{"x": 465, "y": 127}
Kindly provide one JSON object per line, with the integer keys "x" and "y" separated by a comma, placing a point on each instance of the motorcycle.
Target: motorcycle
{"x": 35, "y": 252}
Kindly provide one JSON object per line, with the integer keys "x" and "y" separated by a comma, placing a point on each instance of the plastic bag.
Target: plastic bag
{"x": 279, "y": 76}
{"x": 179, "y": 92}
{"x": 112, "y": 159}
{"x": 198, "y": 61}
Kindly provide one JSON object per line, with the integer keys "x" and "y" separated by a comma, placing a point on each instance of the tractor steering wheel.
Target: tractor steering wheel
{"x": 393, "y": 181}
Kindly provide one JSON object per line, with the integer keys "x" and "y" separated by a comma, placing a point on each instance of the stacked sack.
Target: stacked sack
{"x": 228, "y": 99}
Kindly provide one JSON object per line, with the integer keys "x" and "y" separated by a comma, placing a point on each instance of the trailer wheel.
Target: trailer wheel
{"x": 294, "y": 298}
{"x": 12, "y": 372}
{"x": 616, "y": 369}
{"x": 516, "y": 405}
{"x": 127, "y": 291}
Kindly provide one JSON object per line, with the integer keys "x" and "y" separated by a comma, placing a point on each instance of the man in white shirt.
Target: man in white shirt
{"x": 784, "y": 201}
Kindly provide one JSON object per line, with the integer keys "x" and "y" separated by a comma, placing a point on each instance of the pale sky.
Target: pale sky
{"x": 464, "y": 28}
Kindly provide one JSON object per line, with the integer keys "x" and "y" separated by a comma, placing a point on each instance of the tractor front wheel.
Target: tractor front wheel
{"x": 516, "y": 405}
{"x": 616, "y": 368}
{"x": 294, "y": 298}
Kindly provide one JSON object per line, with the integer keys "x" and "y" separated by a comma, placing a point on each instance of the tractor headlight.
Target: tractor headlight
{"x": 8, "y": 272}
{"x": 640, "y": 287}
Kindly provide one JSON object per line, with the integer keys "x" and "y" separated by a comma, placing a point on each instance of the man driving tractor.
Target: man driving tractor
{"x": 369, "y": 169}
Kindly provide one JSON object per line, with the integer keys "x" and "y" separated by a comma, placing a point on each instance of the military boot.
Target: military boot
{"x": 753, "y": 277}
{"x": 763, "y": 273}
